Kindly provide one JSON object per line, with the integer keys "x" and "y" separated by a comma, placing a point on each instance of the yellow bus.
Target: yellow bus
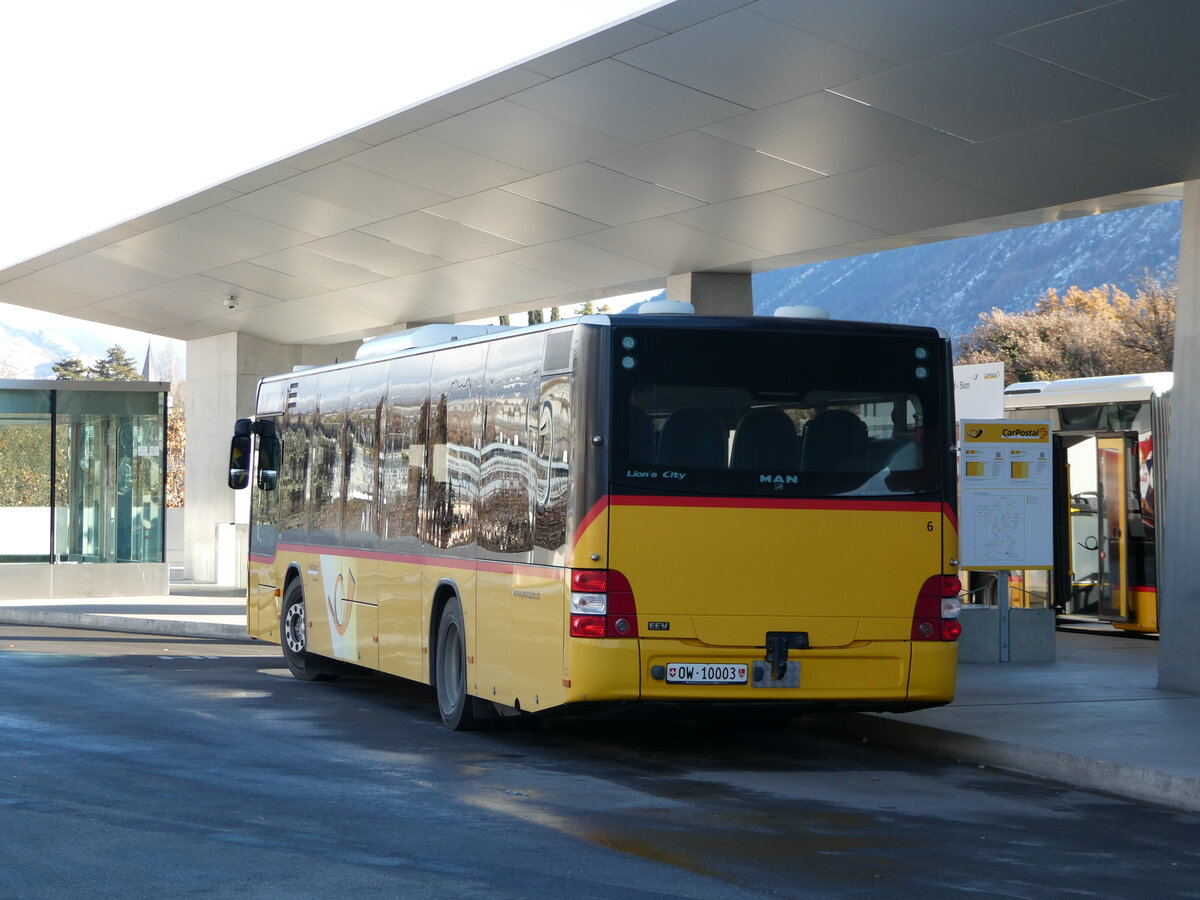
{"x": 614, "y": 509}
{"x": 1109, "y": 448}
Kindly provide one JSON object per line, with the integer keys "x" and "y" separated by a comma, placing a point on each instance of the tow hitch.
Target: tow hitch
{"x": 776, "y": 671}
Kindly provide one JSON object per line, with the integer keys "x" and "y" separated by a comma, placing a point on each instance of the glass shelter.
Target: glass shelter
{"x": 82, "y": 488}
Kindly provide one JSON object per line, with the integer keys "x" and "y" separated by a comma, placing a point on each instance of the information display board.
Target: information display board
{"x": 1006, "y": 484}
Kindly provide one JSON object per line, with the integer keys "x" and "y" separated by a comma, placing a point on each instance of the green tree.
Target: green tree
{"x": 536, "y": 317}
{"x": 115, "y": 366}
{"x": 555, "y": 315}
{"x": 71, "y": 369}
{"x": 504, "y": 320}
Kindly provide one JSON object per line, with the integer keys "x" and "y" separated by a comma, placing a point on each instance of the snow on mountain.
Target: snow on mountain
{"x": 948, "y": 284}
{"x": 31, "y": 342}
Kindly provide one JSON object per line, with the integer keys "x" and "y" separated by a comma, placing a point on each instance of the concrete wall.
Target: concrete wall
{"x": 713, "y": 293}
{"x": 222, "y": 377}
{"x": 26, "y": 581}
{"x": 1179, "y": 593}
{"x": 1030, "y": 635}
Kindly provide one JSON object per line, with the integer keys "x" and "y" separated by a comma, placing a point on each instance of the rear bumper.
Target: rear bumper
{"x": 864, "y": 675}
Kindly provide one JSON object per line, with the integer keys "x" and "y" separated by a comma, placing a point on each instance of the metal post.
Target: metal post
{"x": 1003, "y": 605}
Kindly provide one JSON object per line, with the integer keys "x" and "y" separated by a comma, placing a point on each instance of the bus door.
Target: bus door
{"x": 1119, "y": 517}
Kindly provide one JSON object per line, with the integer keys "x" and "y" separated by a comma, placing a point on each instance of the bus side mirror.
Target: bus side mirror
{"x": 270, "y": 449}
{"x": 239, "y": 455}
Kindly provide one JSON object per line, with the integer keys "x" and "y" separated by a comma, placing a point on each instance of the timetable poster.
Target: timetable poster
{"x": 1006, "y": 489}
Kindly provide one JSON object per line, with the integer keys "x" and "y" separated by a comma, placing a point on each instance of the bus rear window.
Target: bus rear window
{"x": 778, "y": 413}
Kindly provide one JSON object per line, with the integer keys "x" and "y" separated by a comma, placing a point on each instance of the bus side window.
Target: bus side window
{"x": 407, "y": 424}
{"x": 452, "y": 485}
{"x": 328, "y": 463}
{"x": 508, "y": 477}
{"x": 553, "y": 461}
{"x": 368, "y": 391}
{"x": 295, "y": 474}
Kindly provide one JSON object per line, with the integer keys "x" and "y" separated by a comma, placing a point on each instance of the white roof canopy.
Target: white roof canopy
{"x": 704, "y": 135}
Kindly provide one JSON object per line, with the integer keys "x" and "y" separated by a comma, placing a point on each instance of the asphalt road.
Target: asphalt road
{"x": 134, "y": 766}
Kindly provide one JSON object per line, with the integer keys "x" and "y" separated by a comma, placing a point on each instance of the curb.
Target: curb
{"x": 127, "y": 624}
{"x": 1179, "y": 792}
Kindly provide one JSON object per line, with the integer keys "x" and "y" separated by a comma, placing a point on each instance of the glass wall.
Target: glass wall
{"x": 25, "y": 476}
{"x": 82, "y": 475}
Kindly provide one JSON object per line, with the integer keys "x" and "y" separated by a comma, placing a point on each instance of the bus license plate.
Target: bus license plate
{"x": 707, "y": 673}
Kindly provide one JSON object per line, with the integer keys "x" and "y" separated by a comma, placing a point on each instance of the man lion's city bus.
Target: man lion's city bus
{"x": 653, "y": 508}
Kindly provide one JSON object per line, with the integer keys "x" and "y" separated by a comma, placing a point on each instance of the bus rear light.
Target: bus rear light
{"x": 602, "y": 604}
{"x": 589, "y": 580}
{"x": 589, "y": 626}
{"x": 589, "y": 604}
{"x": 935, "y": 615}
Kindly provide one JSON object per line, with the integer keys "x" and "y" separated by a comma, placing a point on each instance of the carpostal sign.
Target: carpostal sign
{"x": 1006, "y": 485}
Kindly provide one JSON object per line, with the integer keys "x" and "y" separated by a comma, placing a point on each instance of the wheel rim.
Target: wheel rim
{"x": 293, "y": 627}
{"x": 450, "y": 672}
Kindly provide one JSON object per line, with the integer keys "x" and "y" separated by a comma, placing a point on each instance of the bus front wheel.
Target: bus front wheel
{"x": 450, "y": 670}
{"x": 294, "y": 637}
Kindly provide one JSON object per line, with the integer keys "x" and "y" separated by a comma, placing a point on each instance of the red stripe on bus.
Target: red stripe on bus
{"x": 784, "y": 503}
{"x": 447, "y": 562}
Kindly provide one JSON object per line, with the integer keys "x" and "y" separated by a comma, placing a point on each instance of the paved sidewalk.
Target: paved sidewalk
{"x": 190, "y": 610}
{"x": 1094, "y": 718}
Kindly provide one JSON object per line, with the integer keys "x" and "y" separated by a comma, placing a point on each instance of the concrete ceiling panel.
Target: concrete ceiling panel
{"x": 436, "y": 166}
{"x": 907, "y": 32}
{"x": 986, "y": 90}
{"x": 311, "y": 215}
{"x": 439, "y": 237}
{"x": 602, "y": 195}
{"x": 515, "y": 218}
{"x": 831, "y": 134}
{"x": 601, "y": 97}
{"x": 711, "y": 56}
{"x": 775, "y": 224}
{"x": 1147, "y": 47}
{"x": 705, "y": 167}
{"x": 362, "y": 190}
{"x": 522, "y": 137}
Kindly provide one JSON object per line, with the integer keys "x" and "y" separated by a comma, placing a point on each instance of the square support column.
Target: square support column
{"x": 713, "y": 293}
{"x": 1179, "y": 593}
{"x": 222, "y": 380}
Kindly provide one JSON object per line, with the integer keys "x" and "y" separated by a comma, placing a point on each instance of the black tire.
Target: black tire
{"x": 293, "y": 635}
{"x": 456, "y": 708}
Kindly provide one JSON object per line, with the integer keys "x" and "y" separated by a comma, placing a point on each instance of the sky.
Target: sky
{"x": 114, "y": 109}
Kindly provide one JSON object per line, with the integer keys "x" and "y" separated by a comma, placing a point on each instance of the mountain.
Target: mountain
{"x": 948, "y": 284}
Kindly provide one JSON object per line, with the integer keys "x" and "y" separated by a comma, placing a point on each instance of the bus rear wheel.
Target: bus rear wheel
{"x": 293, "y": 625}
{"x": 456, "y": 708}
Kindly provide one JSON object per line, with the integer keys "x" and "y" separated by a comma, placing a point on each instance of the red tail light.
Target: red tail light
{"x": 602, "y": 604}
{"x": 935, "y": 615}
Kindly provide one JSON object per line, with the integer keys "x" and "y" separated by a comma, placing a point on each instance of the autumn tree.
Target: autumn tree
{"x": 1080, "y": 333}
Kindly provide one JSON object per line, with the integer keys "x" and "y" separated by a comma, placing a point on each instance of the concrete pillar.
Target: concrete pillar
{"x": 713, "y": 293}
{"x": 222, "y": 378}
{"x": 1179, "y": 593}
